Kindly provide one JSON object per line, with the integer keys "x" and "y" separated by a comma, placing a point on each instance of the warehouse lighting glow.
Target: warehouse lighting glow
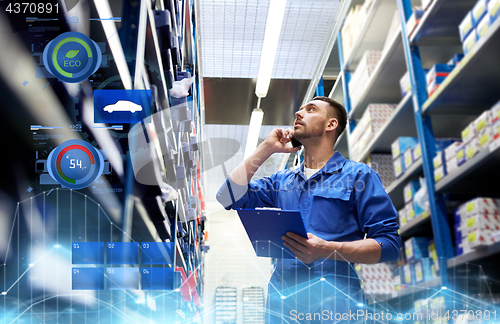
{"x": 254, "y": 131}
{"x": 115, "y": 45}
{"x": 270, "y": 45}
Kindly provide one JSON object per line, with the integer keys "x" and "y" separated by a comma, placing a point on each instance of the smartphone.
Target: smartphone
{"x": 295, "y": 143}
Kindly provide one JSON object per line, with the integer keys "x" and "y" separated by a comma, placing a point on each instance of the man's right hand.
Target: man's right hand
{"x": 278, "y": 139}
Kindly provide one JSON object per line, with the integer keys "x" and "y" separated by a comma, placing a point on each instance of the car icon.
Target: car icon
{"x": 123, "y": 105}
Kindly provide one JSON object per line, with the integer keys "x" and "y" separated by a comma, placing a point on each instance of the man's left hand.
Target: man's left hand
{"x": 306, "y": 250}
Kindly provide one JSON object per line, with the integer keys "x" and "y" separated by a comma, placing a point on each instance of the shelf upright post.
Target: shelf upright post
{"x": 440, "y": 226}
{"x": 346, "y": 77}
{"x": 320, "y": 89}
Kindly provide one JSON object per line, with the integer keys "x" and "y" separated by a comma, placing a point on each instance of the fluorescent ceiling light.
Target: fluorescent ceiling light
{"x": 271, "y": 38}
{"x": 109, "y": 27}
{"x": 254, "y": 131}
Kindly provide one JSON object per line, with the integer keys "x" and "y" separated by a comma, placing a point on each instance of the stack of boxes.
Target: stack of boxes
{"x": 414, "y": 20}
{"x": 370, "y": 124}
{"x": 361, "y": 76}
{"x": 404, "y": 146}
{"x": 477, "y": 136}
{"x": 352, "y": 26}
{"x": 476, "y": 23}
{"x": 436, "y": 75}
{"x": 477, "y": 223}
{"x": 382, "y": 164}
{"x": 377, "y": 278}
{"x": 411, "y": 209}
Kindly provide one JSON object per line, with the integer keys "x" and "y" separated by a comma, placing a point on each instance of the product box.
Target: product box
{"x": 483, "y": 121}
{"x": 402, "y": 217}
{"x": 418, "y": 209}
{"x": 438, "y": 159}
{"x": 472, "y": 148}
{"x": 401, "y": 144}
{"x": 408, "y": 275}
{"x": 416, "y": 248}
{"x": 405, "y": 84}
{"x": 450, "y": 152}
{"x": 417, "y": 152}
{"x": 399, "y": 166}
{"x": 466, "y": 26}
{"x": 479, "y": 238}
{"x": 486, "y": 136}
{"x": 423, "y": 270}
{"x": 438, "y": 71}
{"x": 479, "y": 11}
{"x": 460, "y": 155}
{"x": 382, "y": 164}
{"x": 408, "y": 158}
{"x": 494, "y": 9}
{"x": 479, "y": 205}
{"x": 433, "y": 255}
{"x": 496, "y": 130}
{"x": 410, "y": 189}
{"x": 439, "y": 173}
{"x": 495, "y": 111}
{"x": 451, "y": 165}
{"x": 483, "y": 26}
{"x": 375, "y": 116}
{"x": 410, "y": 213}
{"x": 469, "y": 133}
{"x": 480, "y": 222}
{"x": 455, "y": 60}
{"x": 414, "y": 20}
{"x": 470, "y": 41}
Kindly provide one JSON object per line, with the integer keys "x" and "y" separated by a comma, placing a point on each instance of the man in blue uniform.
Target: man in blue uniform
{"x": 347, "y": 213}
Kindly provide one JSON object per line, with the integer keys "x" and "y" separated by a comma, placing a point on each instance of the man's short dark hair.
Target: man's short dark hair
{"x": 339, "y": 113}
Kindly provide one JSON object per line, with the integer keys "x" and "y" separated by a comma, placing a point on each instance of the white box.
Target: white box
{"x": 410, "y": 212}
{"x": 469, "y": 133}
{"x": 479, "y": 205}
{"x": 483, "y": 26}
{"x": 408, "y": 158}
{"x": 483, "y": 121}
{"x": 495, "y": 128}
{"x": 495, "y": 111}
{"x": 466, "y": 26}
{"x": 417, "y": 152}
{"x": 402, "y": 217}
{"x": 438, "y": 159}
{"x": 494, "y": 9}
{"x": 439, "y": 174}
{"x": 472, "y": 148}
{"x": 451, "y": 165}
{"x": 398, "y": 167}
{"x": 451, "y": 151}
{"x": 470, "y": 41}
{"x": 480, "y": 9}
{"x": 478, "y": 238}
{"x": 486, "y": 137}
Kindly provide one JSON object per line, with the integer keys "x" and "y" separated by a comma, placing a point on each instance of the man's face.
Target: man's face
{"x": 311, "y": 120}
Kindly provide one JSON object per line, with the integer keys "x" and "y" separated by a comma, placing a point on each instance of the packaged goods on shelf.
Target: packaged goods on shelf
{"x": 451, "y": 165}
{"x": 455, "y": 60}
{"x": 402, "y": 217}
{"x": 433, "y": 255}
{"x": 466, "y": 26}
{"x": 423, "y": 270}
{"x": 461, "y": 154}
{"x": 379, "y": 271}
{"x": 399, "y": 166}
{"x": 483, "y": 121}
{"x": 480, "y": 222}
{"x": 416, "y": 248}
{"x": 362, "y": 75}
{"x": 396, "y": 281}
{"x": 439, "y": 173}
{"x": 472, "y": 148}
{"x": 408, "y": 158}
{"x": 469, "y": 133}
{"x": 486, "y": 136}
{"x": 414, "y": 20}
{"x": 470, "y": 41}
{"x": 479, "y": 237}
{"x": 494, "y": 9}
{"x": 417, "y": 152}
{"x": 496, "y": 130}
{"x": 420, "y": 210}
{"x": 495, "y": 112}
{"x": 438, "y": 159}
{"x": 382, "y": 164}
{"x": 405, "y": 84}
{"x": 479, "y": 205}
{"x": 408, "y": 275}
{"x": 436, "y": 75}
{"x": 410, "y": 213}
{"x": 410, "y": 189}
{"x": 479, "y": 11}
{"x": 483, "y": 26}
{"x": 401, "y": 144}
{"x": 352, "y": 26}
{"x": 450, "y": 152}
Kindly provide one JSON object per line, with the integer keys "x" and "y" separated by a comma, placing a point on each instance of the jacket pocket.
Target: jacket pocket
{"x": 331, "y": 210}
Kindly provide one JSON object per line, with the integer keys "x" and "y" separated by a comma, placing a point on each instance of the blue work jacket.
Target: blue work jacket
{"x": 341, "y": 202}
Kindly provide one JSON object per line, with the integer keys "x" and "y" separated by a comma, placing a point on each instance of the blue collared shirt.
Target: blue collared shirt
{"x": 341, "y": 202}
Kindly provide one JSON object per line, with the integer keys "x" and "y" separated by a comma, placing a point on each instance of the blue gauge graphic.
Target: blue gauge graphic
{"x": 75, "y": 164}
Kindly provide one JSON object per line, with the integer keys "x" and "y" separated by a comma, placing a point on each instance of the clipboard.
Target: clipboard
{"x": 265, "y": 227}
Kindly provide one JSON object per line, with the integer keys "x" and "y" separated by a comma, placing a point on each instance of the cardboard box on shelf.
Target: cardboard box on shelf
{"x": 495, "y": 111}
{"x": 438, "y": 159}
{"x": 451, "y": 165}
{"x": 472, "y": 148}
{"x": 470, "y": 41}
{"x": 408, "y": 275}
{"x": 414, "y": 20}
{"x": 382, "y": 164}
{"x": 460, "y": 155}
{"x": 398, "y": 166}
{"x": 401, "y": 144}
{"x": 450, "y": 152}
{"x": 483, "y": 26}
{"x": 469, "y": 133}
{"x": 423, "y": 270}
{"x": 408, "y": 158}
{"x": 439, "y": 173}
{"x": 486, "y": 136}
{"x": 455, "y": 60}
{"x": 402, "y": 217}
{"x": 479, "y": 238}
{"x": 466, "y": 26}
{"x": 494, "y": 9}
{"x": 405, "y": 84}
{"x": 416, "y": 248}
{"x": 495, "y": 128}
{"x": 479, "y": 11}
{"x": 417, "y": 152}
{"x": 479, "y": 205}
{"x": 438, "y": 73}
{"x": 410, "y": 189}
{"x": 483, "y": 121}
{"x": 480, "y": 222}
